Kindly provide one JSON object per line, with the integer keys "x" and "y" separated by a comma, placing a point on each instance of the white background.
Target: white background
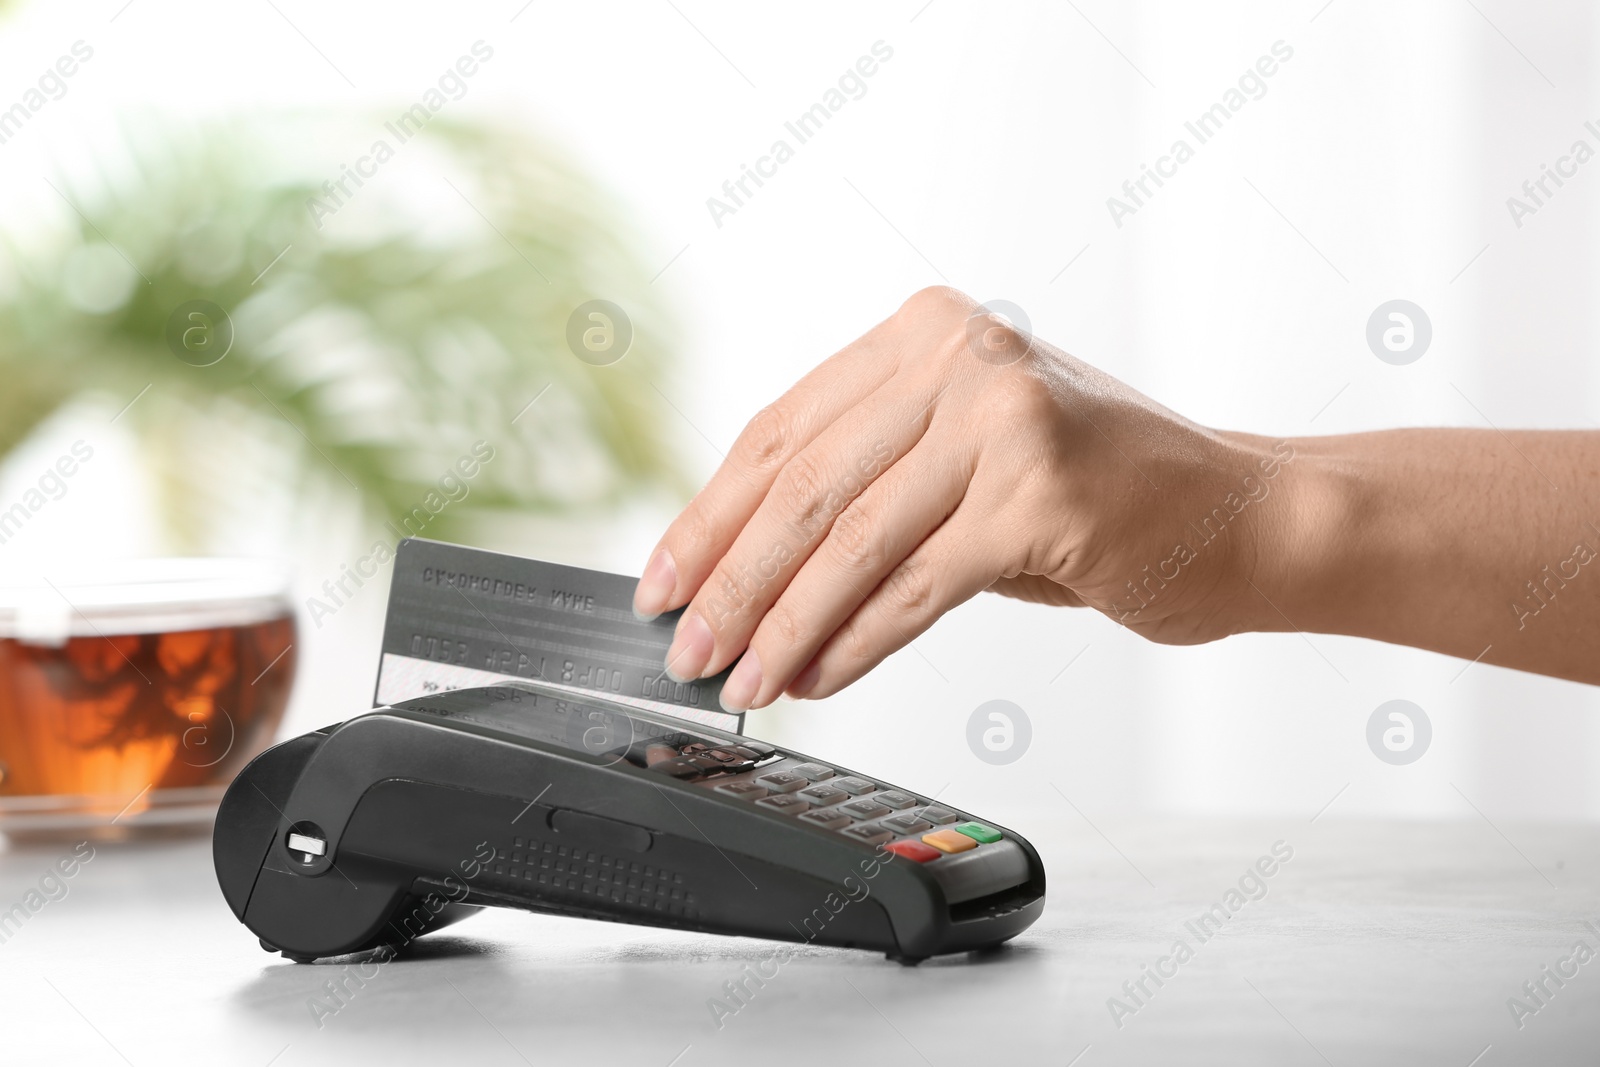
{"x": 1376, "y": 166}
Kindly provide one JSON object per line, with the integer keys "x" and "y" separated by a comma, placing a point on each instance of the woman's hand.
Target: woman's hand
{"x": 942, "y": 454}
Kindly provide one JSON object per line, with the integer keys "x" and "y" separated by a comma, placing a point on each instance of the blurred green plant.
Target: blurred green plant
{"x": 370, "y": 347}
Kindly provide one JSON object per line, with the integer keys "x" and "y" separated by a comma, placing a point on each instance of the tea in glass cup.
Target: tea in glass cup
{"x": 132, "y": 692}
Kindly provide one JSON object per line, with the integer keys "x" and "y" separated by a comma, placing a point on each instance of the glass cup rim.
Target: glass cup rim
{"x": 142, "y": 595}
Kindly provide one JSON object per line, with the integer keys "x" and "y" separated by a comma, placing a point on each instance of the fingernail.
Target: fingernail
{"x": 691, "y": 649}
{"x": 739, "y": 691}
{"x": 654, "y": 591}
{"x": 805, "y": 681}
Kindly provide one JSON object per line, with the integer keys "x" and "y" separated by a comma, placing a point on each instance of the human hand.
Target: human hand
{"x": 942, "y": 454}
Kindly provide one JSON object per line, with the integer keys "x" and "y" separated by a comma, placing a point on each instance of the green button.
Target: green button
{"x": 986, "y": 835}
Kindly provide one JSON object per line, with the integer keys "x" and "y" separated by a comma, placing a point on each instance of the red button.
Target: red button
{"x": 914, "y": 850}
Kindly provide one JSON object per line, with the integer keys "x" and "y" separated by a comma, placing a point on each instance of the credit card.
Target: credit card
{"x": 461, "y": 617}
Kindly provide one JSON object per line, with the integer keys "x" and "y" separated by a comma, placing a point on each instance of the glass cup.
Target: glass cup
{"x": 132, "y": 692}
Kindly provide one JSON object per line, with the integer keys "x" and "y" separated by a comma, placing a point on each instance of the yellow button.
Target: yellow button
{"x": 949, "y": 841}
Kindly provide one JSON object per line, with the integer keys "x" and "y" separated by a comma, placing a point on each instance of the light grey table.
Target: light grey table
{"x": 1375, "y": 944}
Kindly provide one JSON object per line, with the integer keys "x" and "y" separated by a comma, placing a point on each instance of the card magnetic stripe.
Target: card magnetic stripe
{"x": 457, "y": 607}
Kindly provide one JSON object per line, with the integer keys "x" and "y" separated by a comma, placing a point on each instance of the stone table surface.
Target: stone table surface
{"x": 1376, "y": 943}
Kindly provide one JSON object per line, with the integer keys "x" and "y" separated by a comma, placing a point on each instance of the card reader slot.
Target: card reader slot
{"x": 994, "y": 906}
{"x": 980, "y": 872}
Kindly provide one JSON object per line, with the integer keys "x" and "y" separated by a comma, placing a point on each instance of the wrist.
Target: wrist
{"x": 1294, "y": 572}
